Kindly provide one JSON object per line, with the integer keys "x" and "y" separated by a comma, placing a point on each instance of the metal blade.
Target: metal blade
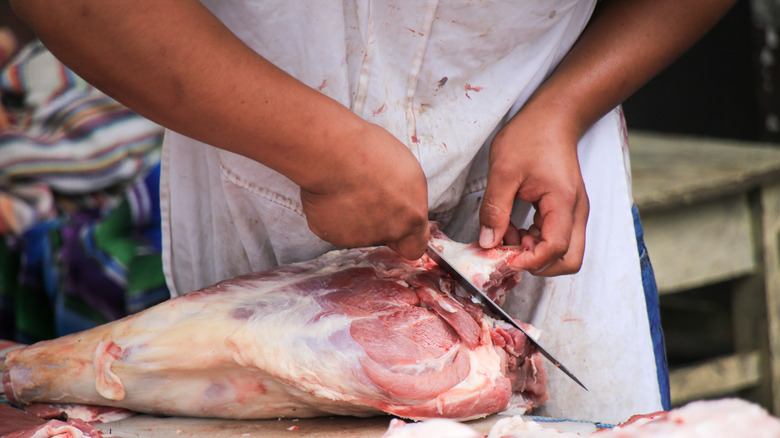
{"x": 472, "y": 289}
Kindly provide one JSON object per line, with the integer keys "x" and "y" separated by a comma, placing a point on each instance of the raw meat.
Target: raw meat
{"x": 354, "y": 332}
{"x": 87, "y": 413}
{"x": 724, "y": 418}
{"x": 17, "y": 424}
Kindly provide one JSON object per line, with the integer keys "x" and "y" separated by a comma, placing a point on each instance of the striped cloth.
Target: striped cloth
{"x": 79, "y": 203}
{"x": 67, "y": 137}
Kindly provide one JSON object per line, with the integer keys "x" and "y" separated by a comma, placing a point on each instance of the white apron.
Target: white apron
{"x": 441, "y": 76}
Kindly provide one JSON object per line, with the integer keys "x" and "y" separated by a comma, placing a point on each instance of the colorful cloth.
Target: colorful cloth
{"x": 79, "y": 203}
{"x": 83, "y": 269}
{"x": 66, "y": 139}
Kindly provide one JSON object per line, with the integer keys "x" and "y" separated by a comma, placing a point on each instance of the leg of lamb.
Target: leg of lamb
{"x": 354, "y": 332}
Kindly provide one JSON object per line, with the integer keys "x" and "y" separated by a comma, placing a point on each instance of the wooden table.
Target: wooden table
{"x": 711, "y": 213}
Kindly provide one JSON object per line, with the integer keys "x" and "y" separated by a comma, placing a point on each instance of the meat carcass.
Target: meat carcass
{"x": 354, "y": 332}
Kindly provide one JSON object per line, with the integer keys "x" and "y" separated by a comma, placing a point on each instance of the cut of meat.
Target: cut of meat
{"x": 354, "y": 332}
{"x": 17, "y": 424}
{"x": 13, "y": 420}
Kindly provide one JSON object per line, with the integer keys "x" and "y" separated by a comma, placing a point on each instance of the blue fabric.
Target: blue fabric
{"x": 553, "y": 420}
{"x": 653, "y": 312}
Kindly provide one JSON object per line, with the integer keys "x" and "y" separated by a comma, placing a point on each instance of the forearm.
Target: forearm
{"x": 176, "y": 64}
{"x": 626, "y": 43}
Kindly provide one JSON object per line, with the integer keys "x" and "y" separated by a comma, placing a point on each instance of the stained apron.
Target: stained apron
{"x": 442, "y": 77}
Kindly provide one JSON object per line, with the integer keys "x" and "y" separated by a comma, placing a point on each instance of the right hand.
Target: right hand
{"x": 359, "y": 185}
{"x": 377, "y": 195}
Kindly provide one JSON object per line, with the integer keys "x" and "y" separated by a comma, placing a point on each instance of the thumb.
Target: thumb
{"x": 494, "y": 212}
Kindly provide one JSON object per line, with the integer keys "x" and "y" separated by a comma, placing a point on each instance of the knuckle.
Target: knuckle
{"x": 570, "y": 266}
{"x": 503, "y": 169}
{"x": 492, "y": 213}
{"x": 414, "y": 224}
{"x": 569, "y": 195}
{"x": 536, "y": 267}
{"x": 410, "y": 247}
{"x": 558, "y": 247}
{"x": 408, "y": 236}
{"x": 575, "y": 264}
{"x": 563, "y": 266}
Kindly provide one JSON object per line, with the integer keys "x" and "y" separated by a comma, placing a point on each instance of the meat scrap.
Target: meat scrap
{"x": 354, "y": 332}
{"x": 724, "y": 418}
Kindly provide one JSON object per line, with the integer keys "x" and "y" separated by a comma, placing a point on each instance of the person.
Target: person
{"x": 298, "y": 127}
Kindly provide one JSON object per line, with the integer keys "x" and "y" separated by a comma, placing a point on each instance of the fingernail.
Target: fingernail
{"x": 486, "y": 237}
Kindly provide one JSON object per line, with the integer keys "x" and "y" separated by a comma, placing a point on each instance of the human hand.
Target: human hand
{"x": 377, "y": 195}
{"x": 534, "y": 158}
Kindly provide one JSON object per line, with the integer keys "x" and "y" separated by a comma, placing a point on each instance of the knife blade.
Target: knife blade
{"x": 476, "y": 292}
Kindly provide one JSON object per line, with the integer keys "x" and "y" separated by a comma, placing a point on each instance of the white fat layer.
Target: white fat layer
{"x": 466, "y": 260}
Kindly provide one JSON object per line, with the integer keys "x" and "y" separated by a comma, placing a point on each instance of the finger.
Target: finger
{"x": 553, "y": 229}
{"x": 571, "y": 262}
{"x": 412, "y": 245}
{"x": 495, "y": 210}
{"x": 512, "y": 235}
{"x": 528, "y": 241}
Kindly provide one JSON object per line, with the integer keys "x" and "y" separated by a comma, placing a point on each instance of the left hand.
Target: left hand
{"x": 533, "y": 158}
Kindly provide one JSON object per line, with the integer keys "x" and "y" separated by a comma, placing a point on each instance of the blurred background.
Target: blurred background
{"x": 704, "y": 138}
{"x": 726, "y": 86}
{"x": 79, "y": 197}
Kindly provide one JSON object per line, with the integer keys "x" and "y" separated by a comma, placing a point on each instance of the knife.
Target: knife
{"x": 474, "y": 291}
